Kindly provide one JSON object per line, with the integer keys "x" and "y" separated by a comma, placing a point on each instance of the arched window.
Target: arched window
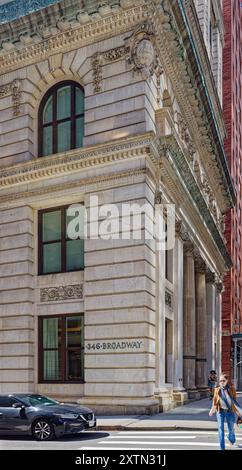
{"x": 61, "y": 119}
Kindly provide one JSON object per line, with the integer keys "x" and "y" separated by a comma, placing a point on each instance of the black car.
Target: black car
{"x": 42, "y": 417}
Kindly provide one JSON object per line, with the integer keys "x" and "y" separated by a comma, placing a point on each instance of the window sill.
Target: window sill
{"x": 41, "y": 382}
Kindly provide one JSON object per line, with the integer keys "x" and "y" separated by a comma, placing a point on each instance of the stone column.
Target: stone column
{"x": 211, "y": 331}
{"x": 179, "y": 392}
{"x": 189, "y": 323}
{"x": 201, "y": 327}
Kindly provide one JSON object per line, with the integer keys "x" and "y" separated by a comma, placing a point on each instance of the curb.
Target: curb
{"x": 150, "y": 428}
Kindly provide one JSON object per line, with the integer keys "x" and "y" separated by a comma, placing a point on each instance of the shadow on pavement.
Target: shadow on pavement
{"x": 72, "y": 438}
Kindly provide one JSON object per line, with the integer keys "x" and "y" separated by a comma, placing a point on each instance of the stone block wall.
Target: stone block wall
{"x": 17, "y": 300}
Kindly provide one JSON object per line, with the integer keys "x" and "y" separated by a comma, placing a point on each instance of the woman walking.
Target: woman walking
{"x": 225, "y": 405}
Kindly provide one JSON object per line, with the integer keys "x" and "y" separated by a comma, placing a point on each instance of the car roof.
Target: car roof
{"x": 17, "y": 394}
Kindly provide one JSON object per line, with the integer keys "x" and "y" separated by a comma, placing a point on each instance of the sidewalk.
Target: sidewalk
{"x": 193, "y": 416}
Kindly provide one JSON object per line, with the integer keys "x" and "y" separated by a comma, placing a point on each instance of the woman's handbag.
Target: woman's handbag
{"x": 239, "y": 421}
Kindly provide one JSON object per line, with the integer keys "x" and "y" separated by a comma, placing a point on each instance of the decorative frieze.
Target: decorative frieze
{"x": 14, "y": 89}
{"x": 50, "y": 294}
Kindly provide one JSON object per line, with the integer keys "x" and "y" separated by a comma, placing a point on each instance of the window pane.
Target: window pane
{"x": 64, "y": 136}
{"x": 64, "y": 102}
{"x": 47, "y": 141}
{"x": 52, "y": 258}
{"x": 74, "y": 364}
{"x": 48, "y": 111}
{"x": 52, "y": 365}
{"x": 51, "y": 226}
{"x": 51, "y": 333}
{"x": 51, "y": 340}
{"x": 75, "y": 216}
{"x": 79, "y": 101}
{"x": 79, "y": 132}
{"x": 74, "y": 331}
{"x": 74, "y": 343}
{"x": 74, "y": 255}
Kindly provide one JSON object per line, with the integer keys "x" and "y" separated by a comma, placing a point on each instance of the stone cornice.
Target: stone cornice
{"x": 93, "y": 183}
{"x": 196, "y": 30}
{"x": 56, "y": 165}
{"x": 204, "y": 133}
{"x": 76, "y": 35}
{"x": 170, "y": 149}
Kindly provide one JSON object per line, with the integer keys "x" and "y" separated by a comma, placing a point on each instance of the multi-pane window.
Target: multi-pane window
{"x": 57, "y": 252}
{"x": 61, "y": 348}
{"x": 61, "y": 119}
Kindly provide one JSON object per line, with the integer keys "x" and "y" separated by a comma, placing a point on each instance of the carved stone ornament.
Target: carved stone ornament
{"x": 210, "y": 277}
{"x": 219, "y": 286}
{"x": 50, "y": 294}
{"x": 200, "y": 265}
{"x": 185, "y": 136}
{"x": 13, "y": 88}
{"x": 99, "y": 58}
{"x": 158, "y": 197}
{"x": 168, "y": 299}
{"x": 143, "y": 55}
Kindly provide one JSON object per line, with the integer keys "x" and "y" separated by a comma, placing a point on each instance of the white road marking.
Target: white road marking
{"x": 168, "y": 432}
{"x": 172, "y": 443}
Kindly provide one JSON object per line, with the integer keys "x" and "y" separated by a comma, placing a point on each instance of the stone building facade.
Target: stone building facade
{"x": 114, "y": 324}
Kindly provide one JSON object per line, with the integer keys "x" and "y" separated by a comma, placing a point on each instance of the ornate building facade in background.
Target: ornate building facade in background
{"x": 121, "y": 100}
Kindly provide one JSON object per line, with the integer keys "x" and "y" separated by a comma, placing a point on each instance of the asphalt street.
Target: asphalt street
{"x": 139, "y": 440}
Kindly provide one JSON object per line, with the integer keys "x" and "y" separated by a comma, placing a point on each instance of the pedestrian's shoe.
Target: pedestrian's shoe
{"x": 232, "y": 445}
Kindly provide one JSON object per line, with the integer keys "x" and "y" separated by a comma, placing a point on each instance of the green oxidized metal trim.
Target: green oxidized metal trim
{"x": 169, "y": 144}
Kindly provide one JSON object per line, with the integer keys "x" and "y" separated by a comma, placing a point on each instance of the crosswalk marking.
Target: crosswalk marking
{"x": 162, "y": 440}
{"x": 168, "y": 432}
{"x": 164, "y": 443}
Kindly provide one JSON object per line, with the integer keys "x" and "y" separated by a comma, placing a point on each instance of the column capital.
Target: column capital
{"x": 210, "y": 277}
{"x": 188, "y": 248}
{"x": 200, "y": 265}
{"x": 181, "y": 230}
{"x": 158, "y": 197}
{"x": 219, "y": 286}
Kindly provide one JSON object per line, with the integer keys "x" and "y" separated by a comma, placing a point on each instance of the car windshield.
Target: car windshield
{"x": 34, "y": 400}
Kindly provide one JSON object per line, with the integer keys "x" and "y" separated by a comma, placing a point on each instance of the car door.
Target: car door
{"x": 12, "y": 420}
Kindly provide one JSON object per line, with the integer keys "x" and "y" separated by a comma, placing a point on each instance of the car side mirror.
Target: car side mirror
{"x": 17, "y": 405}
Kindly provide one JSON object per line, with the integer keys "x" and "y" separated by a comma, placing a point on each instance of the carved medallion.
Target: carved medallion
{"x": 143, "y": 55}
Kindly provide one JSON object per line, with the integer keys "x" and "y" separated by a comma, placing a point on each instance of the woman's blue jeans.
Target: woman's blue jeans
{"x": 223, "y": 416}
